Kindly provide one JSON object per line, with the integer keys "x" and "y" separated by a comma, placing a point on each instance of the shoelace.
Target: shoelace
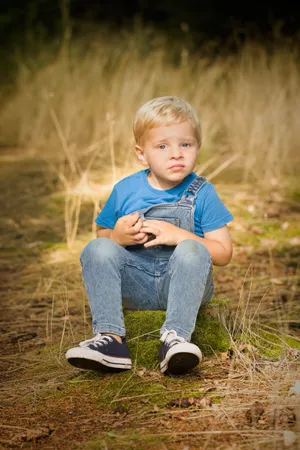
{"x": 170, "y": 338}
{"x": 98, "y": 339}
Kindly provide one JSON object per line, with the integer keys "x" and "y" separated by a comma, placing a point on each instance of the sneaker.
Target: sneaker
{"x": 176, "y": 355}
{"x": 102, "y": 352}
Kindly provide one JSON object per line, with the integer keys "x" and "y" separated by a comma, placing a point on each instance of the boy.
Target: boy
{"x": 159, "y": 234}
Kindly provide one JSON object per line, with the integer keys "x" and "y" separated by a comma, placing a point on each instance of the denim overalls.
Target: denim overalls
{"x": 176, "y": 279}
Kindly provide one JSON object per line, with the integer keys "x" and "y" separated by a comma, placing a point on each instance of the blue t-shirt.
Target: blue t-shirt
{"x": 134, "y": 193}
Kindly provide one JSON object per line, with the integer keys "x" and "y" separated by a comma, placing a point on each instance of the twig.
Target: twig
{"x": 111, "y": 148}
{"x": 11, "y": 443}
{"x": 62, "y": 336}
{"x": 205, "y": 165}
{"x": 223, "y": 166}
{"x": 14, "y": 427}
{"x": 62, "y": 140}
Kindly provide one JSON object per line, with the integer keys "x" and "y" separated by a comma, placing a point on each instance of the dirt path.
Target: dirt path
{"x": 47, "y": 404}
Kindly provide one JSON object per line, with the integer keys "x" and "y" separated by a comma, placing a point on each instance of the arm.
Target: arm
{"x": 217, "y": 242}
{"x": 103, "y": 232}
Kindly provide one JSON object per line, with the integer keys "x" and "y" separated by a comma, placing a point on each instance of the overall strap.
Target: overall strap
{"x": 190, "y": 194}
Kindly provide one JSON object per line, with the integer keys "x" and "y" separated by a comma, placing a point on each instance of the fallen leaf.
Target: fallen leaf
{"x": 141, "y": 372}
{"x": 253, "y": 414}
{"x": 187, "y": 402}
{"x": 34, "y": 435}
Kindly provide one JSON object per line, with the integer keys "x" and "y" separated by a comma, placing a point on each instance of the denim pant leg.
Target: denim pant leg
{"x": 186, "y": 286}
{"x": 112, "y": 273}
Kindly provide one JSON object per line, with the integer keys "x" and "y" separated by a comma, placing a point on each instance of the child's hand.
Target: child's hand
{"x": 165, "y": 233}
{"x": 127, "y": 231}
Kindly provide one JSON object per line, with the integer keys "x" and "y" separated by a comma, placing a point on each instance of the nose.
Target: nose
{"x": 176, "y": 152}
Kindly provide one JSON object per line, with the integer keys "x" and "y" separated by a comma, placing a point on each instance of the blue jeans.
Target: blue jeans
{"x": 178, "y": 280}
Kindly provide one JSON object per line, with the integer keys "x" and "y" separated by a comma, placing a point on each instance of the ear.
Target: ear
{"x": 141, "y": 155}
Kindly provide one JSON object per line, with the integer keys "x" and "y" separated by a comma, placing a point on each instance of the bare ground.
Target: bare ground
{"x": 240, "y": 399}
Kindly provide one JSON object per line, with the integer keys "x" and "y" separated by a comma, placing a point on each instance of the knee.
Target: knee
{"x": 191, "y": 251}
{"x": 99, "y": 249}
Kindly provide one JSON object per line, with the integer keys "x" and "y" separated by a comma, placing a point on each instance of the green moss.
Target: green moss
{"x": 222, "y": 302}
{"x": 126, "y": 387}
{"x": 145, "y": 353}
{"x": 210, "y": 335}
{"x": 143, "y": 333}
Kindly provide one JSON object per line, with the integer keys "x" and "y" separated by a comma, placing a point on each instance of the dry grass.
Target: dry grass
{"x": 80, "y": 106}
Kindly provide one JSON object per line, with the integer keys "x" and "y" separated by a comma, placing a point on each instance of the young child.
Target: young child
{"x": 159, "y": 234}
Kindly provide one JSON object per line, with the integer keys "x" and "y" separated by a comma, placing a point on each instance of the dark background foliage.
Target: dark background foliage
{"x": 209, "y": 18}
{"x": 25, "y": 25}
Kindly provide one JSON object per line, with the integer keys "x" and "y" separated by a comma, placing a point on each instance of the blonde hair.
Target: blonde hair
{"x": 166, "y": 110}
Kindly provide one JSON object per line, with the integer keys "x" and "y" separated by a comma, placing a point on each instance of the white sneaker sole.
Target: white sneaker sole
{"x": 86, "y": 358}
{"x": 181, "y": 358}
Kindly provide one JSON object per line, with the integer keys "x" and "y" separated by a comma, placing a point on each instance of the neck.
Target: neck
{"x": 159, "y": 184}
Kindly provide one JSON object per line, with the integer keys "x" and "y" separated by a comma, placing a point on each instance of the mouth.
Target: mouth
{"x": 176, "y": 167}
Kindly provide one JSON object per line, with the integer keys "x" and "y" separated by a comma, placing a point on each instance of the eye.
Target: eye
{"x": 162, "y": 146}
{"x": 185, "y": 144}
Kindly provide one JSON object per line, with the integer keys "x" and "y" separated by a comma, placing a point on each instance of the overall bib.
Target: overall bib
{"x": 177, "y": 279}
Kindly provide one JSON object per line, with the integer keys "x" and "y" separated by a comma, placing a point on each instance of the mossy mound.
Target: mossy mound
{"x": 143, "y": 332}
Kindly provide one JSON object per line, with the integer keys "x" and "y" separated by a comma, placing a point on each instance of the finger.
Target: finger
{"x": 135, "y": 228}
{"x": 152, "y": 243}
{"x": 153, "y": 222}
{"x": 150, "y": 230}
{"x": 138, "y": 225}
{"x": 139, "y": 236}
{"x": 142, "y": 241}
{"x": 132, "y": 218}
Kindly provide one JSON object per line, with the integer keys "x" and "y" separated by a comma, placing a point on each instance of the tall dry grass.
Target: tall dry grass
{"x": 248, "y": 103}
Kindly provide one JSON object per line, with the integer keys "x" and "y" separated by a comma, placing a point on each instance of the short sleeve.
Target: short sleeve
{"x": 107, "y": 217}
{"x": 214, "y": 213}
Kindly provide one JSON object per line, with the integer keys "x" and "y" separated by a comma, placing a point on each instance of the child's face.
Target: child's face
{"x": 170, "y": 152}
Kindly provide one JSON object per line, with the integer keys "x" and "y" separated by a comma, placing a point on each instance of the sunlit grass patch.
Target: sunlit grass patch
{"x": 272, "y": 343}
